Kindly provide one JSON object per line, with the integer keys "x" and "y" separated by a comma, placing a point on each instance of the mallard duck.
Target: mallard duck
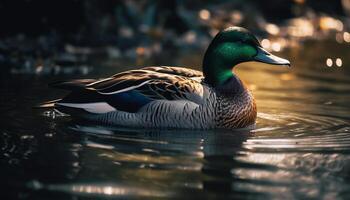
{"x": 174, "y": 97}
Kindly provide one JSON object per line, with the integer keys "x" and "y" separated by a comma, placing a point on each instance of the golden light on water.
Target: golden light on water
{"x": 204, "y": 14}
{"x": 109, "y": 190}
{"x": 252, "y": 87}
{"x": 287, "y": 77}
{"x": 100, "y": 146}
{"x": 329, "y": 62}
{"x": 338, "y": 62}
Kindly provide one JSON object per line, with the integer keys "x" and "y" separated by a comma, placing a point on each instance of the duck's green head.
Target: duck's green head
{"x": 230, "y": 47}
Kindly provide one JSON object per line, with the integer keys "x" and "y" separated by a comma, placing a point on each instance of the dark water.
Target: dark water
{"x": 300, "y": 148}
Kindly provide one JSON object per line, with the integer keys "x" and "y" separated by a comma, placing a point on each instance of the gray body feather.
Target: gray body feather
{"x": 214, "y": 112}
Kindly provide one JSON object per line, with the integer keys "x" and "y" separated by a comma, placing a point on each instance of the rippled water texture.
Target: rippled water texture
{"x": 299, "y": 148}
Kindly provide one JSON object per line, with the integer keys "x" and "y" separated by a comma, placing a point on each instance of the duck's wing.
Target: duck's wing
{"x": 129, "y": 91}
{"x": 168, "y": 83}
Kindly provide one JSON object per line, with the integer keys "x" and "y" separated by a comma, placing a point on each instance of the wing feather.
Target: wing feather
{"x": 171, "y": 83}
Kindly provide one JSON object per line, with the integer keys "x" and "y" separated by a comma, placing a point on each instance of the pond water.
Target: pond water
{"x": 299, "y": 149}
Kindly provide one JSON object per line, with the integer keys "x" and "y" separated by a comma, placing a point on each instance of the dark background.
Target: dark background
{"x": 37, "y": 17}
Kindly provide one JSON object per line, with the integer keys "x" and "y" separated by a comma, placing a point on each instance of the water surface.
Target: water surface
{"x": 299, "y": 148}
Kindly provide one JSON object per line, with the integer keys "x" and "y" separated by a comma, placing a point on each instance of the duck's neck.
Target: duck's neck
{"x": 220, "y": 75}
{"x": 215, "y": 70}
{"x": 231, "y": 87}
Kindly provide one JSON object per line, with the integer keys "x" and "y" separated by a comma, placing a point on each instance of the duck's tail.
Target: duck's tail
{"x": 72, "y": 85}
{"x": 80, "y": 101}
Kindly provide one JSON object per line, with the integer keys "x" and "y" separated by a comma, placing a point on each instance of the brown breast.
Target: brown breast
{"x": 237, "y": 111}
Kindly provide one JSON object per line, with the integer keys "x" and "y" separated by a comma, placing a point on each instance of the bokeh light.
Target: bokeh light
{"x": 329, "y": 62}
{"x": 204, "y": 14}
{"x": 339, "y": 62}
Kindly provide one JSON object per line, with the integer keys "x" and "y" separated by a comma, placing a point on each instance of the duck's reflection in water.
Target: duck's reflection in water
{"x": 118, "y": 161}
{"x": 173, "y": 163}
